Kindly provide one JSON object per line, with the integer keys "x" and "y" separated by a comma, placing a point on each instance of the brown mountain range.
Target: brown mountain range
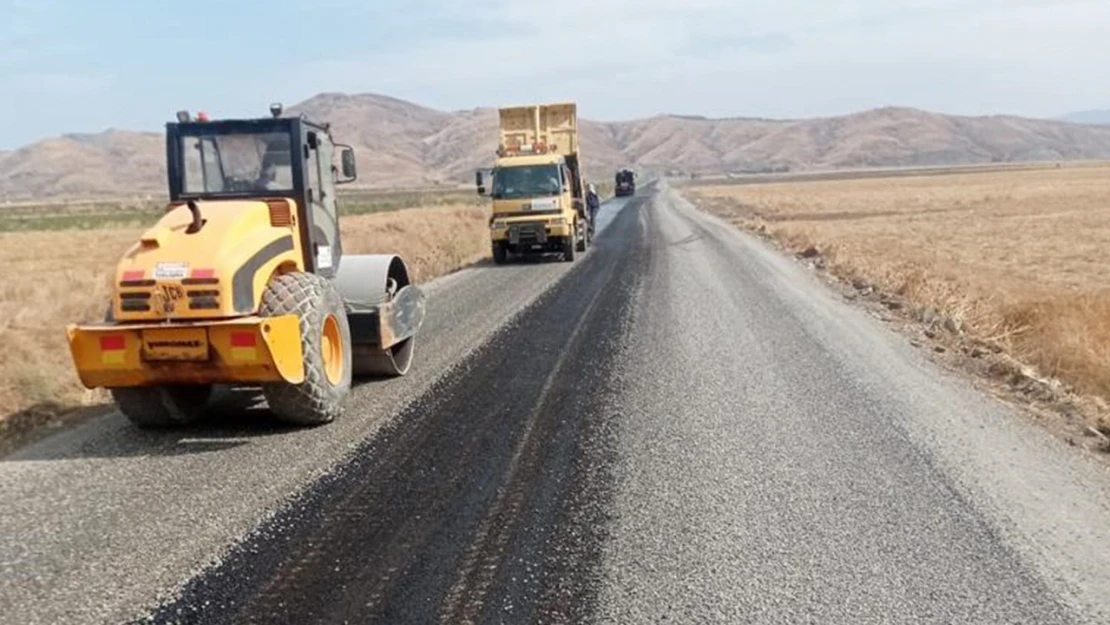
{"x": 400, "y": 144}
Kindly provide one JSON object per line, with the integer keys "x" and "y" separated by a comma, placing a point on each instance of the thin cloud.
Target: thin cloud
{"x": 879, "y": 49}
{"x": 620, "y": 59}
{"x": 59, "y": 83}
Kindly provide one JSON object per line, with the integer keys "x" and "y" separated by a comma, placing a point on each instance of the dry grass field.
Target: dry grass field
{"x": 57, "y": 277}
{"x": 1017, "y": 259}
{"x": 135, "y": 212}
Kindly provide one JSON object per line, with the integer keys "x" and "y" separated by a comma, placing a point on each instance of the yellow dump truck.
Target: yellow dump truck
{"x": 244, "y": 282}
{"x": 538, "y": 192}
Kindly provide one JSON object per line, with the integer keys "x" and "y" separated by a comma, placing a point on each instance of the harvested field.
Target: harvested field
{"x": 58, "y": 277}
{"x": 31, "y": 216}
{"x": 1016, "y": 260}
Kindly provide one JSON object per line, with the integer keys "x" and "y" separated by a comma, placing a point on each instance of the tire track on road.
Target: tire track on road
{"x": 471, "y": 506}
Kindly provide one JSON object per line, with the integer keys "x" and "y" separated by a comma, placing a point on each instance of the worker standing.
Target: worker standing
{"x": 593, "y": 203}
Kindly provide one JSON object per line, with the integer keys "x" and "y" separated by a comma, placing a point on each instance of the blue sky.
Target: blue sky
{"x": 83, "y": 66}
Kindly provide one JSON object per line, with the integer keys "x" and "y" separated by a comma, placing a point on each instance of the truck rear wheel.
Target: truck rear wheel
{"x": 162, "y": 406}
{"x": 583, "y": 237}
{"x": 325, "y": 344}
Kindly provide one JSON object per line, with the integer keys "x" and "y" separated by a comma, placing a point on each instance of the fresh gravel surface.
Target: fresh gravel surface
{"x": 682, "y": 426}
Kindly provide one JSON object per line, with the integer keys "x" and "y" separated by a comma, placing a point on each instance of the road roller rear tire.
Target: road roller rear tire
{"x": 325, "y": 344}
{"x": 162, "y": 406}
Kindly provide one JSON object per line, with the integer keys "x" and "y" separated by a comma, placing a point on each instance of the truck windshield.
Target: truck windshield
{"x": 236, "y": 163}
{"x": 526, "y": 181}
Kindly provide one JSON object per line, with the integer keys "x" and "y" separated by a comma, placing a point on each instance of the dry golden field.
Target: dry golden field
{"x": 1018, "y": 259}
{"x": 56, "y": 277}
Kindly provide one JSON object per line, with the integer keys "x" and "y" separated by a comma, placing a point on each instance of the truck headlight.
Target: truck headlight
{"x": 496, "y": 225}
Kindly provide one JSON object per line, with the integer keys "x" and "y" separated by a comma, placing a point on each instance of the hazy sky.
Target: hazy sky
{"x": 83, "y": 66}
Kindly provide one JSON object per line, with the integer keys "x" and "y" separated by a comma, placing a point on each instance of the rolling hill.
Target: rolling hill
{"x": 1088, "y": 117}
{"x": 400, "y": 144}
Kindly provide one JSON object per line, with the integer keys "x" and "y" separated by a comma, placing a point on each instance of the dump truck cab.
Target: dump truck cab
{"x": 537, "y": 190}
{"x": 243, "y": 281}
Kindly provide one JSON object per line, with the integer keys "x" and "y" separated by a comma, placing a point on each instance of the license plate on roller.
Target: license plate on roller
{"x": 175, "y": 344}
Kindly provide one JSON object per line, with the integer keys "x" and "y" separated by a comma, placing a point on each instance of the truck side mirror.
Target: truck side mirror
{"x": 347, "y": 164}
{"x": 479, "y": 181}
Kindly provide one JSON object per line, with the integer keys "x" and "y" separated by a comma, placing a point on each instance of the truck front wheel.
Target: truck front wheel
{"x": 569, "y": 248}
{"x": 500, "y": 253}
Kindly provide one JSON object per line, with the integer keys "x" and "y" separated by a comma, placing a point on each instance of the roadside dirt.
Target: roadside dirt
{"x": 1080, "y": 420}
{"x": 38, "y": 422}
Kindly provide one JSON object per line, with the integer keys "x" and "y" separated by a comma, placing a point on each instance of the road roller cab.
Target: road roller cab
{"x": 243, "y": 281}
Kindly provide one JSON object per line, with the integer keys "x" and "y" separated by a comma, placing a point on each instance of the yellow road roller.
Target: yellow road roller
{"x": 243, "y": 282}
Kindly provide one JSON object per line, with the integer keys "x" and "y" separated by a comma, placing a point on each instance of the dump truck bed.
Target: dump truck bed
{"x": 552, "y": 125}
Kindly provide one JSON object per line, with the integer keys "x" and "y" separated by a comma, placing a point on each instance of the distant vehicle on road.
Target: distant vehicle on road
{"x": 625, "y": 183}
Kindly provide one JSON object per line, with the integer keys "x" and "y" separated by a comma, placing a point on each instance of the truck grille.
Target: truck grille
{"x": 527, "y": 233}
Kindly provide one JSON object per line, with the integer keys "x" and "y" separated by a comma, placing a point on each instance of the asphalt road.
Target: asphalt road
{"x": 683, "y": 426}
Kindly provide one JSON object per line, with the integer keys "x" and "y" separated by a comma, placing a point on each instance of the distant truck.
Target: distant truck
{"x": 625, "y": 183}
{"x": 537, "y": 189}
